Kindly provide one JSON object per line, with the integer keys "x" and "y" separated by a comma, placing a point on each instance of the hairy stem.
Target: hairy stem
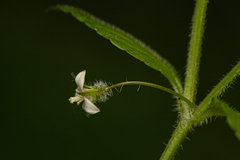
{"x": 153, "y": 86}
{"x": 223, "y": 84}
{"x": 194, "y": 54}
{"x": 176, "y": 140}
{"x": 195, "y": 50}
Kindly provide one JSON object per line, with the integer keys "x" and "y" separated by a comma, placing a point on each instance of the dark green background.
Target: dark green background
{"x": 39, "y": 50}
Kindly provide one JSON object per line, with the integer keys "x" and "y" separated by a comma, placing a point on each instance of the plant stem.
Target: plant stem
{"x": 194, "y": 53}
{"x": 153, "y": 86}
{"x": 176, "y": 140}
{"x": 223, "y": 84}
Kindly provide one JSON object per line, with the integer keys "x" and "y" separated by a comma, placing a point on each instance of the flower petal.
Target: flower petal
{"x": 89, "y": 107}
{"x": 77, "y": 98}
{"x": 80, "y": 78}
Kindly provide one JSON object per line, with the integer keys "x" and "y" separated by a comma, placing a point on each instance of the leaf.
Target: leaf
{"x": 215, "y": 109}
{"x": 221, "y": 108}
{"x": 219, "y": 89}
{"x": 233, "y": 119}
{"x": 125, "y": 41}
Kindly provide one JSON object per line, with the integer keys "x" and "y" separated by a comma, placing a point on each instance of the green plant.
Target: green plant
{"x": 190, "y": 114}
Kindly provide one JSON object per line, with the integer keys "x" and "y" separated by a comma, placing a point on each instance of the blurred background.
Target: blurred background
{"x": 40, "y": 50}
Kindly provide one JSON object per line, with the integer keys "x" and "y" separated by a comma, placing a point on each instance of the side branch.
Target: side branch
{"x": 153, "y": 86}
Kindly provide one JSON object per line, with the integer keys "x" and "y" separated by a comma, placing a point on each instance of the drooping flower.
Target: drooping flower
{"x": 87, "y": 95}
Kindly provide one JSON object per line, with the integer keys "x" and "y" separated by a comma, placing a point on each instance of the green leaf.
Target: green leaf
{"x": 233, "y": 119}
{"x": 125, "y": 41}
{"x": 218, "y": 89}
{"x": 221, "y": 108}
{"x": 215, "y": 109}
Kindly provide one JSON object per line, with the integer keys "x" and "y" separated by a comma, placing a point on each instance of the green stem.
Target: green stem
{"x": 176, "y": 140}
{"x": 220, "y": 87}
{"x": 153, "y": 86}
{"x": 190, "y": 82}
{"x": 195, "y": 50}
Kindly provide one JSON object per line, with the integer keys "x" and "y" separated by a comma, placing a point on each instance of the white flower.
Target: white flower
{"x": 88, "y": 106}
